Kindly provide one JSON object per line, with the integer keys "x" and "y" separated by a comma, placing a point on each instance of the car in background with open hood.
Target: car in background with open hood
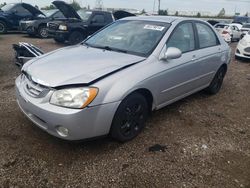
{"x": 12, "y": 14}
{"x": 38, "y": 26}
{"x": 78, "y": 25}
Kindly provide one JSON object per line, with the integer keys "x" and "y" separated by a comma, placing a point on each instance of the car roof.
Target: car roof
{"x": 95, "y": 11}
{"x": 166, "y": 19}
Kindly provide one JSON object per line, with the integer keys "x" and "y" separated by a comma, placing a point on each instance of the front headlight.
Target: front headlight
{"x": 74, "y": 97}
{"x": 243, "y": 42}
{"x": 63, "y": 27}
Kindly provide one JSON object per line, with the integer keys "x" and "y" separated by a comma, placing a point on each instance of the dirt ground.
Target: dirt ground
{"x": 205, "y": 139}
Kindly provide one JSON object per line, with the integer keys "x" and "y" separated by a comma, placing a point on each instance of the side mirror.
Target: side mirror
{"x": 171, "y": 53}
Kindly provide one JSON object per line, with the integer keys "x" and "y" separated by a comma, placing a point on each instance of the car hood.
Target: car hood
{"x": 67, "y": 10}
{"x": 247, "y": 38}
{"x": 119, "y": 14}
{"x": 77, "y": 65}
{"x": 32, "y": 9}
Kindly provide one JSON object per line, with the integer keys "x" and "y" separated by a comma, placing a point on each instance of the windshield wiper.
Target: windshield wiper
{"x": 108, "y": 48}
{"x": 114, "y": 49}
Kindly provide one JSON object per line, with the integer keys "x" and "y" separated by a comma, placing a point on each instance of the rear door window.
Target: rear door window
{"x": 206, "y": 36}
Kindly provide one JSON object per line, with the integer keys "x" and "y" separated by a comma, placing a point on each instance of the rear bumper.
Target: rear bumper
{"x": 81, "y": 123}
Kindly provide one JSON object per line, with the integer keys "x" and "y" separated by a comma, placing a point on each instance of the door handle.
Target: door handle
{"x": 193, "y": 58}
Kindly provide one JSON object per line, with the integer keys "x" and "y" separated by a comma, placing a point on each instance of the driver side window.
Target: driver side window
{"x": 98, "y": 19}
{"x": 182, "y": 38}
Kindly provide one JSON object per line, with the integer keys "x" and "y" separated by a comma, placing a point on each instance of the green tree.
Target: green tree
{"x": 222, "y": 13}
{"x": 143, "y": 11}
{"x": 48, "y": 7}
{"x": 198, "y": 14}
{"x": 3, "y": 4}
{"x": 163, "y": 12}
{"x": 75, "y": 5}
{"x": 176, "y": 13}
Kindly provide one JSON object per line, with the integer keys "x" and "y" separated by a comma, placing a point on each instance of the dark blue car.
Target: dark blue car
{"x": 12, "y": 14}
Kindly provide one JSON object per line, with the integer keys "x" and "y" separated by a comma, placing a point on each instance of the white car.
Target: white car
{"x": 228, "y": 32}
{"x": 243, "y": 48}
{"x": 238, "y": 25}
{"x": 245, "y": 29}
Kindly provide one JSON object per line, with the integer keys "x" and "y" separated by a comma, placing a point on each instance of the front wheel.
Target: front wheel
{"x": 217, "y": 81}
{"x": 3, "y": 27}
{"x": 43, "y": 32}
{"x": 130, "y": 118}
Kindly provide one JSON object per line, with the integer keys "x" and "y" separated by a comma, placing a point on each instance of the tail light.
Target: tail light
{"x": 225, "y": 32}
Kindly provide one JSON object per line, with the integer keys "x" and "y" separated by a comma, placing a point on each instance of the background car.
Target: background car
{"x": 12, "y": 14}
{"x": 243, "y": 48}
{"x": 78, "y": 25}
{"x": 38, "y": 26}
{"x": 109, "y": 84}
{"x": 226, "y": 29}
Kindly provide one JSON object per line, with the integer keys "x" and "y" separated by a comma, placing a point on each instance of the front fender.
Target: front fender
{"x": 6, "y": 21}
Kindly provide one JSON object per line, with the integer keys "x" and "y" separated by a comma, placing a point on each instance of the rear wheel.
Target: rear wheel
{"x": 76, "y": 37}
{"x": 43, "y": 32}
{"x": 130, "y": 117}
{"x": 3, "y": 27}
{"x": 217, "y": 81}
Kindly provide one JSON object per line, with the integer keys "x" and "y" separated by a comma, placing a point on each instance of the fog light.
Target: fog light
{"x": 62, "y": 131}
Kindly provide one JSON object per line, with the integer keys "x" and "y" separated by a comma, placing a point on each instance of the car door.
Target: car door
{"x": 236, "y": 32}
{"x": 179, "y": 76}
{"x": 209, "y": 55}
{"x": 97, "y": 21}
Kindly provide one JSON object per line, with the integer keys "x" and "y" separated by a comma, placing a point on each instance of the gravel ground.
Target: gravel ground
{"x": 203, "y": 141}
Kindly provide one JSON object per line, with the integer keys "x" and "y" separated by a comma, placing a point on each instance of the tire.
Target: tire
{"x": 59, "y": 40}
{"x": 217, "y": 81}
{"x": 76, "y": 37}
{"x": 3, "y": 27}
{"x": 130, "y": 118}
{"x": 43, "y": 32}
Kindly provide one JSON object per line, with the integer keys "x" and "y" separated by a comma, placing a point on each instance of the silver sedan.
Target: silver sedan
{"x": 109, "y": 84}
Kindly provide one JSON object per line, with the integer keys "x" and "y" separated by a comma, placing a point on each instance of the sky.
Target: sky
{"x": 212, "y": 6}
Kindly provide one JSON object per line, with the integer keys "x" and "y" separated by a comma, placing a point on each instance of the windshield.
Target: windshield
{"x": 84, "y": 14}
{"x": 7, "y": 7}
{"x": 48, "y": 13}
{"x": 135, "y": 37}
{"x": 246, "y": 26}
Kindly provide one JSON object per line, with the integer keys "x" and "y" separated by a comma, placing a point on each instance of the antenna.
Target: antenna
{"x": 159, "y": 6}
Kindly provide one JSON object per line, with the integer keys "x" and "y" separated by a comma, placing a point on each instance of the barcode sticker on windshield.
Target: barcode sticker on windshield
{"x": 154, "y": 27}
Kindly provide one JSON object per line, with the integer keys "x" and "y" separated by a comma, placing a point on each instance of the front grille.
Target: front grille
{"x": 247, "y": 55}
{"x": 53, "y": 26}
{"x": 247, "y": 49}
{"x": 23, "y": 26}
{"x": 34, "y": 89}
